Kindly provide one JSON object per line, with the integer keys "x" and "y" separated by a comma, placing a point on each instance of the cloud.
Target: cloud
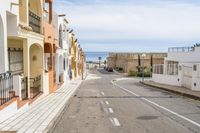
{"x": 105, "y": 23}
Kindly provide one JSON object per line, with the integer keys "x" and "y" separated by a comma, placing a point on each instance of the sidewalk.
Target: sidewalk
{"x": 41, "y": 115}
{"x": 179, "y": 90}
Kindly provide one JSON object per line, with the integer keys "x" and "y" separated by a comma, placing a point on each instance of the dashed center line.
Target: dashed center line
{"x": 107, "y": 102}
{"x": 115, "y": 122}
{"x": 110, "y": 110}
{"x": 102, "y": 93}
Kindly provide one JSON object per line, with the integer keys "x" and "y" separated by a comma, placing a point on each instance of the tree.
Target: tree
{"x": 105, "y": 62}
{"x": 99, "y": 58}
{"x": 151, "y": 63}
{"x": 139, "y": 64}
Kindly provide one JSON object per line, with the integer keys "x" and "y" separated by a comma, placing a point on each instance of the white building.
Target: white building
{"x": 62, "y": 52}
{"x": 181, "y": 68}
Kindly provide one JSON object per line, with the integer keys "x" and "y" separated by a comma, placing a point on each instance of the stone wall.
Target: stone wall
{"x": 130, "y": 61}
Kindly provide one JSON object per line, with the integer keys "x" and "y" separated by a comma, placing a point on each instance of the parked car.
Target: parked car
{"x": 110, "y": 69}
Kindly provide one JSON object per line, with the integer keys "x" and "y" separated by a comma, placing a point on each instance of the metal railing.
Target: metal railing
{"x": 24, "y": 91}
{"x": 180, "y": 49}
{"x": 6, "y": 88}
{"x": 171, "y": 69}
{"x": 34, "y": 22}
{"x": 35, "y": 86}
{"x": 158, "y": 69}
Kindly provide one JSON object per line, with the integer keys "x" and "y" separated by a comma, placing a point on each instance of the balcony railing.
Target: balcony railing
{"x": 35, "y": 86}
{"x": 180, "y": 49}
{"x": 6, "y": 88}
{"x": 34, "y": 22}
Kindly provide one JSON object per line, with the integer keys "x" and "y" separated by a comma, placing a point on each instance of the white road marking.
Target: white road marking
{"x": 115, "y": 122}
{"x": 107, "y": 102}
{"x": 155, "y": 104}
{"x": 102, "y": 93}
{"x": 110, "y": 110}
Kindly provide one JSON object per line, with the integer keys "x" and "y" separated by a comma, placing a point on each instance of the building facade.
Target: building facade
{"x": 35, "y": 53}
{"x": 181, "y": 68}
{"x": 130, "y": 61}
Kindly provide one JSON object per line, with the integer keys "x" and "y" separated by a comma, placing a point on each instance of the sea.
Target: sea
{"x": 93, "y": 56}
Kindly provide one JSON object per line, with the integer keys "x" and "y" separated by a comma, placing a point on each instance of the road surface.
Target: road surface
{"x": 108, "y": 103}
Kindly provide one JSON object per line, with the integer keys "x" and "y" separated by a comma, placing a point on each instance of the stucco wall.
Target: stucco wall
{"x": 166, "y": 79}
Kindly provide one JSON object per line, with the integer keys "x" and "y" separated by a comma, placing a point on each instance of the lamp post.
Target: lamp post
{"x": 143, "y": 57}
{"x": 82, "y": 63}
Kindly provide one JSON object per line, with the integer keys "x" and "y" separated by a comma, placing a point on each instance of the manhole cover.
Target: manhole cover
{"x": 147, "y": 117}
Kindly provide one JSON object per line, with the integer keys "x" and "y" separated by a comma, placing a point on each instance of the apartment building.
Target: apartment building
{"x": 35, "y": 53}
{"x": 181, "y": 68}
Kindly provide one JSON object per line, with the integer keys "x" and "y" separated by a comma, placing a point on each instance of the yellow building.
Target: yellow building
{"x": 73, "y": 57}
{"x": 25, "y": 48}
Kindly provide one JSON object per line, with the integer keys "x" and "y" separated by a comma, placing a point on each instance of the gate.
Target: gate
{"x": 6, "y": 87}
{"x": 35, "y": 86}
{"x": 187, "y": 77}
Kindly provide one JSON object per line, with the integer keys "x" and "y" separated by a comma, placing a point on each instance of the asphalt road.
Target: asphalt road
{"x": 102, "y": 105}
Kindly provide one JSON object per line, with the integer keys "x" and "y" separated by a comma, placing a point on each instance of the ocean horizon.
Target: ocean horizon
{"x": 94, "y": 55}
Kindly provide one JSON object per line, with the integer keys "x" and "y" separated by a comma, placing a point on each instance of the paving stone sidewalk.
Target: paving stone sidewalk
{"x": 41, "y": 115}
{"x": 179, "y": 90}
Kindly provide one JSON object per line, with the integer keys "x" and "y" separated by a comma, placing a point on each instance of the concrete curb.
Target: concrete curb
{"x": 50, "y": 128}
{"x": 173, "y": 91}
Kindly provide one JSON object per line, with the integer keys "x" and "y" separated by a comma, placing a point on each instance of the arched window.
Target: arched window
{"x": 60, "y": 36}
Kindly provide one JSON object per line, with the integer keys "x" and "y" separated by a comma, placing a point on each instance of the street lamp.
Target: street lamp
{"x": 143, "y": 57}
{"x": 82, "y": 65}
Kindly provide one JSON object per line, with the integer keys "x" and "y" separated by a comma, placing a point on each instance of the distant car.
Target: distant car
{"x": 110, "y": 69}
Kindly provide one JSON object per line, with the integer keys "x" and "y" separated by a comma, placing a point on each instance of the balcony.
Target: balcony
{"x": 34, "y": 22}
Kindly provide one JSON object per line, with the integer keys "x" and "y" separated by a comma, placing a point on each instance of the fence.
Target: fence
{"x": 35, "y": 86}
{"x": 6, "y": 88}
{"x": 158, "y": 69}
{"x": 171, "y": 69}
{"x": 180, "y": 49}
{"x": 24, "y": 90}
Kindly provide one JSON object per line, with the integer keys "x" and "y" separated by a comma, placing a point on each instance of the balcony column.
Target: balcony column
{"x": 26, "y": 63}
{"x": 3, "y": 44}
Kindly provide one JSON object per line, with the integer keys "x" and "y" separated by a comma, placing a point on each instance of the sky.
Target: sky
{"x": 132, "y": 25}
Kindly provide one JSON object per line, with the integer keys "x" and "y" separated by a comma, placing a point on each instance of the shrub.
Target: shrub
{"x": 120, "y": 69}
{"x": 132, "y": 73}
{"x": 139, "y": 74}
{"x": 146, "y": 74}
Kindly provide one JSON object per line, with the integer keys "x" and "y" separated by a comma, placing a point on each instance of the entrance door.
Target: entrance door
{"x": 187, "y": 77}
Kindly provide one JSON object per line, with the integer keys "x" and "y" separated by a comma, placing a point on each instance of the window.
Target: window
{"x": 195, "y": 68}
{"x": 15, "y": 60}
{"x": 60, "y": 36}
